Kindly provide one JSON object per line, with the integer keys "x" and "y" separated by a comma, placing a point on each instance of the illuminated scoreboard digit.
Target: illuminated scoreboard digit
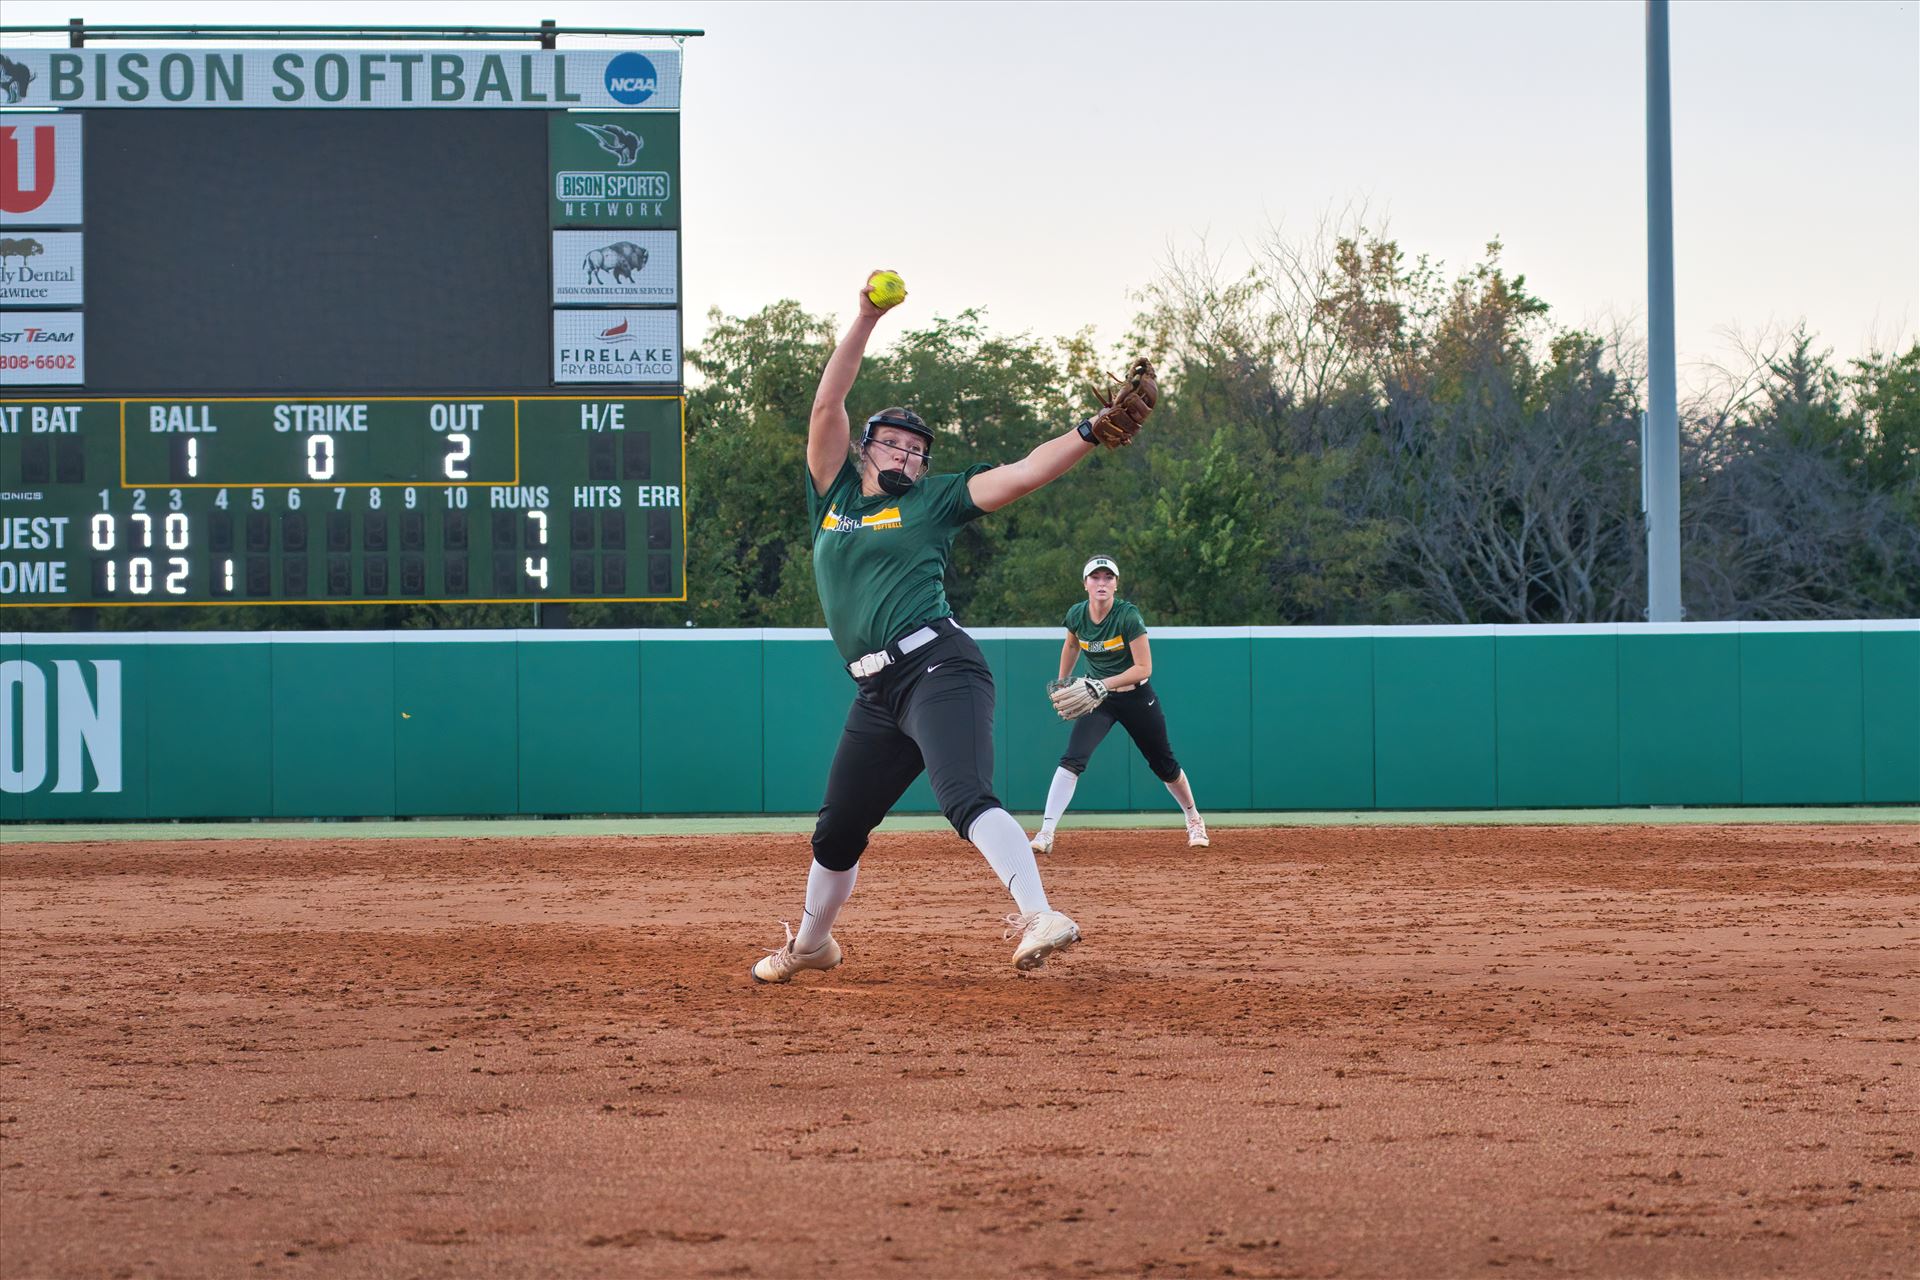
{"x": 337, "y": 500}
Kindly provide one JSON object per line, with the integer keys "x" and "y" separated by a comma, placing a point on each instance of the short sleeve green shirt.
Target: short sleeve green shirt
{"x": 1105, "y": 642}
{"x": 880, "y": 562}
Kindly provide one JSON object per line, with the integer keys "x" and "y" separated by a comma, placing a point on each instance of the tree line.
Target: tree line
{"x": 1346, "y": 435}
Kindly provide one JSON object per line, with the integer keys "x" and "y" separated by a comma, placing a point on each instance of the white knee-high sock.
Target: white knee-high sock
{"x": 827, "y": 892}
{"x": 1059, "y": 794}
{"x": 1182, "y": 792}
{"x": 998, "y": 834}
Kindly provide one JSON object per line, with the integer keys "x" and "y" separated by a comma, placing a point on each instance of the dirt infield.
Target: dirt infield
{"x": 1624, "y": 1051}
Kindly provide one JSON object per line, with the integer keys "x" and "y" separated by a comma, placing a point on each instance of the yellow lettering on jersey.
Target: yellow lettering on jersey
{"x": 886, "y": 519}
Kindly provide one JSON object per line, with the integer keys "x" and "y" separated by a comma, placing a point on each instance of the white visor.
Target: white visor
{"x": 1099, "y": 562}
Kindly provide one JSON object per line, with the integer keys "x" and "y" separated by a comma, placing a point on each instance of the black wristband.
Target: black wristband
{"x": 1086, "y": 431}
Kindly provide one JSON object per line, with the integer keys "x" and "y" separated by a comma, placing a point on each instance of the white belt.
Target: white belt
{"x": 864, "y": 666}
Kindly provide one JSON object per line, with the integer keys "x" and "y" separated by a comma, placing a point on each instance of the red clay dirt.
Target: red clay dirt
{"x": 1591, "y": 1051}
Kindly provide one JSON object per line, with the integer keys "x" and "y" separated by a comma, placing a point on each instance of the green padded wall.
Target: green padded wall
{"x": 1680, "y": 716}
{"x": 1433, "y": 720}
{"x": 332, "y": 714}
{"x": 622, "y": 722}
{"x": 456, "y": 734}
{"x": 1557, "y": 719}
{"x": 700, "y": 705}
{"x": 1890, "y": 681}
{"x": 1311, "y": 743}
{"x": 579, "y": 724}
{"x": 218, "y": 690}
{"x": 1801, "y": 720}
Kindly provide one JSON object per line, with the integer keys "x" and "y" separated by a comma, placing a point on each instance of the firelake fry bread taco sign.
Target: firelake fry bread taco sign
{"x": 345, "y": 78}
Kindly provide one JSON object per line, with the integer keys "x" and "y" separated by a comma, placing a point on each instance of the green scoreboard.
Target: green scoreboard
{"x": 340, "y": 327}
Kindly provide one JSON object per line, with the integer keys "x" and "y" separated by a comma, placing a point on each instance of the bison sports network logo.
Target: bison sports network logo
{"x": 631, "y": 79}
{"x": 624, "y": 145}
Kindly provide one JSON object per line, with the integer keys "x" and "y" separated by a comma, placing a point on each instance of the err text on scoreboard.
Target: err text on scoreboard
{"x": 331, "y": 499}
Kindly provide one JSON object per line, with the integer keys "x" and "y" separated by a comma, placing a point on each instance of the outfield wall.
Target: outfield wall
{"x": 297, "y": 725}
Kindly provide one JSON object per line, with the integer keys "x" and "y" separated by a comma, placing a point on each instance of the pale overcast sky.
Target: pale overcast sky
{"x": 1042, "y": 160}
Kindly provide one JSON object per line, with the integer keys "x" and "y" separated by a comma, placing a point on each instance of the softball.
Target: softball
{"x": 886, "y": 289}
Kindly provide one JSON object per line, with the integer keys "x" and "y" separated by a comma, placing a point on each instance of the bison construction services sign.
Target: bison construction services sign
{"x": 641, "y": 267}
{"x": 60, "y": 727}
{"x": 41, "y": 268}
{"x": 344, "y": 78}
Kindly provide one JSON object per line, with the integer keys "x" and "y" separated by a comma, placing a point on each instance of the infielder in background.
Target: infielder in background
{"x": 883, "y": 529}
{"x": 1113, "y": 636}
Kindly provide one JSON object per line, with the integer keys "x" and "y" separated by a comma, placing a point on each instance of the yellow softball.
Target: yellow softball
{"x": 886, "y": 289}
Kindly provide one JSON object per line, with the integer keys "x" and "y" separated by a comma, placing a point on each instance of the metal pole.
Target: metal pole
{"x": 1660, "y": 460}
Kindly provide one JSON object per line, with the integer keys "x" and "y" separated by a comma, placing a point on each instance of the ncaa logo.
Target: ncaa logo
{"x": 631, "y": 79}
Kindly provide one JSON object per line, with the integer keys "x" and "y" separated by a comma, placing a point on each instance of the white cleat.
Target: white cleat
{"x": 1196, "y": 832}
{"x": 1042, "y": 842}
{"x": 1041, "y": 933}
{"x": 780, "y": 965}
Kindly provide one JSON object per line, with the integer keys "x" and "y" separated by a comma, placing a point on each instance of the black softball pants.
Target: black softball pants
{"x": 932, "y": 710}
{"x": 1138, "y": 710}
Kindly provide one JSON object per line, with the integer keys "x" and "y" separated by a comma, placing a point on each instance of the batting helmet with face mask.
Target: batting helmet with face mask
{"x": 895, "y": 481}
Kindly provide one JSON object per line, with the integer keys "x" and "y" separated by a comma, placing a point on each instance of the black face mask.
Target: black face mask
{"x": 894, "y": 483}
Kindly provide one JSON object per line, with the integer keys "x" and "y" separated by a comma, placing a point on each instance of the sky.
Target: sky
{"x": 1045, "y": 161}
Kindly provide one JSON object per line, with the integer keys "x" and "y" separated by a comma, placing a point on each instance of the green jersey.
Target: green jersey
{"x": 1105, "y": 642}
{"x": 880, "y": 562}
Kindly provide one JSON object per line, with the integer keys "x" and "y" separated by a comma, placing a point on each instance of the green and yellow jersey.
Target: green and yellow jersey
{"x": 880, "y": 562}
{"x": 1106, "y": 642}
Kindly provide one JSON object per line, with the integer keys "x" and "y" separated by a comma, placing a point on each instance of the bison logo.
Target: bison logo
{"x": 620, "y": 260}
{"x": 21, "y": 249}
{"x": 14, "y": 79}
{"x": 623, "y": 144}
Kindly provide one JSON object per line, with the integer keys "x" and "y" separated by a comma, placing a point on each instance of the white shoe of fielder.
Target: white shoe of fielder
{"x": 1041, "y": 933}
{"x": 1042, "y": 841}
{"x": 780, "y": 965}
{"x": 1196, "y": 832}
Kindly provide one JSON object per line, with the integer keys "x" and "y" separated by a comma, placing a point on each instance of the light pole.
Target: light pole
{"x": 1660, "y": 452}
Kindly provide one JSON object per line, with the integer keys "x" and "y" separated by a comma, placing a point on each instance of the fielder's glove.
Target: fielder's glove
{"x": 1074, "y": 698}
{"x": 1124, "y": 412}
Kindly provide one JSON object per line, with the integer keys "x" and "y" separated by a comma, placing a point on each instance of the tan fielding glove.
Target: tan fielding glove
{"x": 1074, "y": 698}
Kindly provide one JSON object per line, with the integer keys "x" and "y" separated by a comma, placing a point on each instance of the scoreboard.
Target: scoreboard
{"x": 235, "y": 501}
{"x": 361, "y": 328}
